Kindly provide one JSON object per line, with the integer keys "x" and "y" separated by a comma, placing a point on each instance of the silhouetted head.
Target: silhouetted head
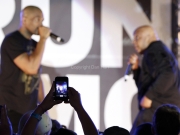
{"x": 115, "y": 130}
{"x": 44, "y": 125}
{"x": 144, "y": 129}
{"x": 55, "y": 126}
{"x": 63, "y": 131}
{"x": 166, "y": 120}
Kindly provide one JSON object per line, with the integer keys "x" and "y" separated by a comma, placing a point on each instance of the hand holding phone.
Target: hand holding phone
{"x": 61, "y": 88}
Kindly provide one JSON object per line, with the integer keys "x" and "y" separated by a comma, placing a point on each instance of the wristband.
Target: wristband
{"x": 36, "y": 116}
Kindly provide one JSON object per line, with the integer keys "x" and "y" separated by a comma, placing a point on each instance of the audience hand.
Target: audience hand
{"x": 49, "y": 101}
{"x": 74, "y": 98}
{"x": 75, "y": 101}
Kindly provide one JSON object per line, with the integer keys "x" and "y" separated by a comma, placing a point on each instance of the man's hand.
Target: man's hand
{"x": 146, "y": 102}
{"x": 134, "y": 60}
{"x": 5, "y": 125}
{"x": 44, "y": 32}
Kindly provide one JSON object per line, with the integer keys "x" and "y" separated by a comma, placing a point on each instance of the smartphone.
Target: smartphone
{"x": 61, "y": 88}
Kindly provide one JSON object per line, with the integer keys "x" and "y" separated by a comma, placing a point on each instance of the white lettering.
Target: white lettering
{"x": 89, "y": 88}
{"x": 118, "y": 101}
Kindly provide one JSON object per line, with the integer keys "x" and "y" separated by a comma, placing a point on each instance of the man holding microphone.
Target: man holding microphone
{"x": 158, "y": 77}
{"x": 20, "y": 84}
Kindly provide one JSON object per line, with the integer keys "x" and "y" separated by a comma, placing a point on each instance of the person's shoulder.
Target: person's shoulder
{"x": 156, "y": 47}
{"x": 162, "y": 48}
{"x": 156, "y": 44}
{"x": 161, "y": 45}
{"x": 11, "y": 39}
{"x": 12, "y": 35}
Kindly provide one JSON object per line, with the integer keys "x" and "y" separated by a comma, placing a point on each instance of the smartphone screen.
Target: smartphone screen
{"x": 61, "y": 88}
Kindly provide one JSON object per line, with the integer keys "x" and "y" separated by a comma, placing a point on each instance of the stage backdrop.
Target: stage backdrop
{"x": 98, "y": 41}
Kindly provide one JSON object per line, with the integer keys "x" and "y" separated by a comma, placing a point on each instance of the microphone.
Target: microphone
{"x": 57, "y": 38}
{"x": 128, "y": 72}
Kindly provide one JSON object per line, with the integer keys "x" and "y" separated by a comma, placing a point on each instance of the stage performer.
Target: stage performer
{"x": 158, "y": 78}
{"x": 20, "y": 84}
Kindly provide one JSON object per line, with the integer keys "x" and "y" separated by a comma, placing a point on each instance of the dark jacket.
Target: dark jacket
{"x": 159, "y": 76}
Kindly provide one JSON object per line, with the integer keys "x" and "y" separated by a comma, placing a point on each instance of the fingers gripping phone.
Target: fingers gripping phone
{"x": 61, "y": 88}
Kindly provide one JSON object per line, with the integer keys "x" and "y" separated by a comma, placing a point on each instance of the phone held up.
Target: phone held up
{"x": 61, "y": 88}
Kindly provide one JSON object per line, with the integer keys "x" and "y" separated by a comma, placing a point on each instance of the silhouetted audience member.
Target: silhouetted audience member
{"x": 144, "y": 129}
{"x": 115, "y": 130}
{"x": 55, "y": 126}
{"x": 63, "y": 131}
{"x": 166, "y": 120}
{"x": 58, "y": 129}
{"x": 44, "y": 125}
{"x": 74, "y": 100}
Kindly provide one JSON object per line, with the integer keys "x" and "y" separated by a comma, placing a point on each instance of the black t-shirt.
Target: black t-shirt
{"x": 18, "y": 90}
